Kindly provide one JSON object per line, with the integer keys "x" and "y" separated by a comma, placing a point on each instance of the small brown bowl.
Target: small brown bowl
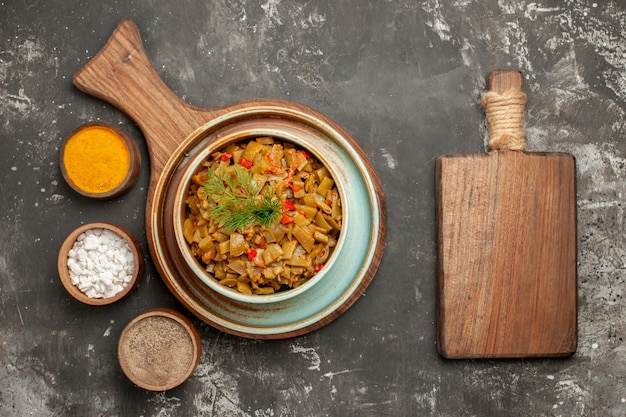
{"x": 159, "y": 349}
{"x": 64, "y": 273}
{"x": 95, "y": 157}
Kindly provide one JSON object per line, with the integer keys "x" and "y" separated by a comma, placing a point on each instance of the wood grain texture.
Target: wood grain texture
{"x": 507, "y": 281}
{"x": 504, "y": 80}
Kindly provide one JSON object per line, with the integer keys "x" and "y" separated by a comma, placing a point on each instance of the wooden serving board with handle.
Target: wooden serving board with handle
{"x": 507, "y": 282}
{"x": 174, "y": 130}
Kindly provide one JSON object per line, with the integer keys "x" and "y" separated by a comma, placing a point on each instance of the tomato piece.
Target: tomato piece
{"x": 288, "y": 206}
{"x": 245, "y": 163}
{"x": 286, "y": 219}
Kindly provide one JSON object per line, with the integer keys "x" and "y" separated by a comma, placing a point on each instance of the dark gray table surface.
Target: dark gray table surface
{"x": 405, "y": 79}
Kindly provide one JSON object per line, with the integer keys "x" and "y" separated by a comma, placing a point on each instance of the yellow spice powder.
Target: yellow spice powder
{"x": 96, "y": 159}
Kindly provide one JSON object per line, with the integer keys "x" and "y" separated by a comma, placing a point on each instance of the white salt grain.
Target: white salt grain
{"x": 100, "y": 263}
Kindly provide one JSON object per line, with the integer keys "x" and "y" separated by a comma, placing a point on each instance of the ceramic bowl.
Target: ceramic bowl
{"x": 64, "y": 273}
{"x": 96, "y": 152}
{"x": 159, "y": 349}
{"x": 198, "y": 268}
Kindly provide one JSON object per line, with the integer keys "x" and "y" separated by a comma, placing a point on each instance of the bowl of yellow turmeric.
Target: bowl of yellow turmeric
{"x": 259, "y": 217}
{"x": 100, "y": 160}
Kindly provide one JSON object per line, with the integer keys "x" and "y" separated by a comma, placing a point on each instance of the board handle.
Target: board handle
{"x": 122, "y": 75}
{"x": 504, "y": 104}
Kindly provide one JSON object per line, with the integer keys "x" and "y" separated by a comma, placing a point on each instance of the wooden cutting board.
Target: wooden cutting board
{"x": 507, "y": 283}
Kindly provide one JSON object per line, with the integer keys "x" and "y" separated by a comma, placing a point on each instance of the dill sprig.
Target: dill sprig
{"x": 237, "y": 203}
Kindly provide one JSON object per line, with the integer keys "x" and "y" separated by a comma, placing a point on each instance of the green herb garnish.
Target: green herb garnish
{"x": 237, "y": 203}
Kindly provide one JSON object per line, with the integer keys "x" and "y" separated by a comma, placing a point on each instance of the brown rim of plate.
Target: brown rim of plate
{"x": 153, "y": 351}
{"x": 65, "y": 276}
{"x": 133, "y": 170}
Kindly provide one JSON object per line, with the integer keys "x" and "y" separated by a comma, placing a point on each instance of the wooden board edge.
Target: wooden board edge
{"x": 440, "y": 314}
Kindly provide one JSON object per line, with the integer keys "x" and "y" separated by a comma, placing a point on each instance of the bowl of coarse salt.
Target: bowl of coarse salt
{"x": 100, "y": 263}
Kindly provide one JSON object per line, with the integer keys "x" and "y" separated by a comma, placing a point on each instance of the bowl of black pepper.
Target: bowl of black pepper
{"x": 159, "y": 349}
